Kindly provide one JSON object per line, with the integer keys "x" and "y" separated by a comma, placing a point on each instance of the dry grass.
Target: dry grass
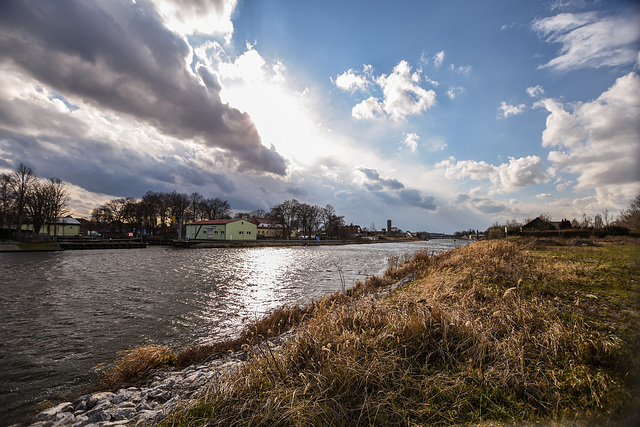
{"x": 133, "y": 367}
{"x": 484, "y": 335}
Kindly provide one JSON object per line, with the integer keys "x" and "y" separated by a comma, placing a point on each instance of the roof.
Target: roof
{"x": 68, "y": 221}
{"x": 266, "y": 222}
{"x": 215, "y": 221}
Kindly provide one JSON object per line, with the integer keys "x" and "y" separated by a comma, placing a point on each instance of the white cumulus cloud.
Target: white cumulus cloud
{"x": 507, "y": 110}
{"x": 598, "y": 141}
{"x": 411, "y": 141}
{"x": 504, "y": 178}
{"x": 403, "y": 96}
{"x": 535, "y": 91}
{"x": 351, "y": 81}
{"x": 402, "y": 93}
{"x": 370, "y": 108}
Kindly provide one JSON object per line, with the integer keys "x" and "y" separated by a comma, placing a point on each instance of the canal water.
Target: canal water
{"x": 63, "y": 313}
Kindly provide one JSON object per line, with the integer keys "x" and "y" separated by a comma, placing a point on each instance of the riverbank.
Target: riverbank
{"x": 485, "y": 334}
{"x": 86, "y": 244}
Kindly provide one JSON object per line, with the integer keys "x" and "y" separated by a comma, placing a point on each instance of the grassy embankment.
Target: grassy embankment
{"x": 484, "y": 335}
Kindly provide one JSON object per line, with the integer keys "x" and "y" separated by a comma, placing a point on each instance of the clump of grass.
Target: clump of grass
{"x": 134, "y": 367}
{"x": 486, "y": 333}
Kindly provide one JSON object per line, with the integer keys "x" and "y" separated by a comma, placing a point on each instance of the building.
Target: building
{"x": 67, "y": 227}
{"x": 351, "y": 230}
{"x": 268, "y": 228}
{"x": 221, "y": 229}
{"x": 64, "y": 227}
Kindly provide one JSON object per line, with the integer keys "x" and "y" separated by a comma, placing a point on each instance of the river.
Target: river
{"x": 63, "y": 313}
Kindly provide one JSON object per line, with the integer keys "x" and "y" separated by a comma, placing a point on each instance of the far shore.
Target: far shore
{"x": 11, "y": 246}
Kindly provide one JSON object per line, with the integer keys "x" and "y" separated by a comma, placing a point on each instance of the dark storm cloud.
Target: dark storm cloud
{"x": 415, "y": 198}
{"x": 297, "y": 191}
{"x": 117, "y": 55}
{"x": 376, "y": 183}
{"x": 407, "y": 198}
{"x": 101, "y": 168}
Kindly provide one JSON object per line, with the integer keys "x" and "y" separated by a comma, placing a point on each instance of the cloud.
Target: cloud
{"x": 543, "y": 196}
{"x": 413, "y": 197}
{"x": 505, "y": 178}
{"x": 483, "y": 205}
{"x": 463, "y": 69}
{"x": 249, "y": 67}
{"x": 374, "y": 182}
{"x": 411, "y": 141}
{"x": 351, "y": 81}
{"x": 589, "y": 40}
{"x": 119, "y": 57}
{"x": 392, "y": 192}
{"x": 568, "y": 4}
{"x": 402, "y": 94}
{"x": 438, "y": 58}
{"x": 598, "y": 141}
{"x": 370, "y": 108}
{"x": 510, "y": 110}
{"x": 435, "y": 143}
{"x": 535, "y": 91}
{"x": 197, "y": 16}
{"x": 454, "y": 91}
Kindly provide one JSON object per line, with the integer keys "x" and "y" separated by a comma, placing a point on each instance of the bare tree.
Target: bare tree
{"x": 285, "y": 213}
{"x": 216, "y": 208}
{"x": 6, "y": 200}
{"x": 22, "y": 181}
{"x": 116, "y": 212}
{"x": 37, "y": 205}
{"x": 598, "y": 221}
{"x": 630, "y": 217}
{"x": 195, "y": 213}
{"x": 332, "y": 222}
{"x": 58, "y": 201}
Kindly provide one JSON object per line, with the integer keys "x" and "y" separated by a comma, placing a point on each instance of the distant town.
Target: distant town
{"x": 36, "y": 210}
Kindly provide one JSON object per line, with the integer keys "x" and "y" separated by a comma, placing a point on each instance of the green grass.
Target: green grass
{"x": 484, "y": 335}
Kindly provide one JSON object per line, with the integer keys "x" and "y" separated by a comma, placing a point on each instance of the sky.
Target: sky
{"x": 438, "y": 115}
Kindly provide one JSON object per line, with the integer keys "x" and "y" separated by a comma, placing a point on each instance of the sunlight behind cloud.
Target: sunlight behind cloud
{"x": 197, "y": 16}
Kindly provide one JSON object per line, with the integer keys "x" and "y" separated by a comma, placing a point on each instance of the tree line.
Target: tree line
{"x": 628, "y": 219}
{"x": 310, "y": 220}
{"x": 158, "y": 213}
{"x": 27, "y": 199}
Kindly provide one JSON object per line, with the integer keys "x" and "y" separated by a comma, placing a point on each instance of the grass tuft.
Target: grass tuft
{"x": 134, "y": 367}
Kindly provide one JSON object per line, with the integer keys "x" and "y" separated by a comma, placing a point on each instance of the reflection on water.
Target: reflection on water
{"x": 61, "y": 313}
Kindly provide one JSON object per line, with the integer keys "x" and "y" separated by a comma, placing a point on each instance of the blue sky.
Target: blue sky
{"x": 437, "y": 115}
